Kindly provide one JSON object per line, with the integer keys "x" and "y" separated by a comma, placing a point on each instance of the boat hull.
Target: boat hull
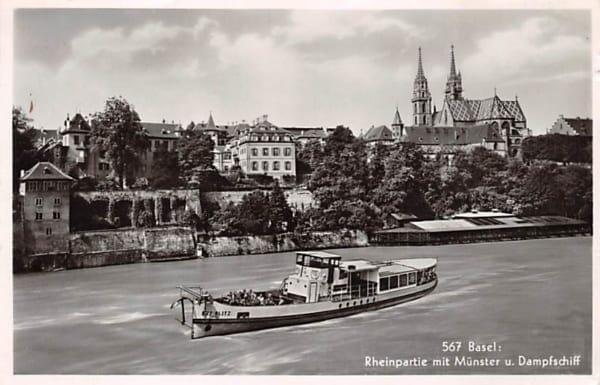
{"x": 205, "y": 327}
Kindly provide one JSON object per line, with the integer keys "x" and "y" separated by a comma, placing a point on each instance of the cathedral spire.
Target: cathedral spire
{"x": 454, "y": 83}
{"x": 452, "y": 63}
{"x": 420, "y": 68}
{"x": 421, "y": 99}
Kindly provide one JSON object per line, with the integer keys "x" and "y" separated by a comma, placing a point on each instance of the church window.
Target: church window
{"x": 495, "y": 125}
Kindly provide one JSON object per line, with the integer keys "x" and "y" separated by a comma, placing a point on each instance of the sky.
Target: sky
{"x": 299, "y": 67}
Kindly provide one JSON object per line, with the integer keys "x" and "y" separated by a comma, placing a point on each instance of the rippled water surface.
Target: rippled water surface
{"x": 533, "y": 298}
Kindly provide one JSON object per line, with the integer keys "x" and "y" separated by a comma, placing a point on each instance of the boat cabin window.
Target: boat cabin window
{"x": 412, "y": 278}
{"x": 384, "y": 283}
{"x": 317, "y": 262}
{"x": 393, "y": 282}
{"x": 403, "y": 280}
{"x": 343, "y": 274}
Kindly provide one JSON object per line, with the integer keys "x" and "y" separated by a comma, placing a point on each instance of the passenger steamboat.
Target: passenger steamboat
{"x": 322, "y": 287}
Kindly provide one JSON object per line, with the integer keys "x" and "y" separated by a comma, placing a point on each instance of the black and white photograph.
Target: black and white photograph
{"x": 282, "y": 190}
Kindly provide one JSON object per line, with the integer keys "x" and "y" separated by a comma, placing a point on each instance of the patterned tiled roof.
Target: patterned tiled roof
{"x": 514, "y": 109}
{"x": 491, "y": 108}
{"x": 452, "y": 135}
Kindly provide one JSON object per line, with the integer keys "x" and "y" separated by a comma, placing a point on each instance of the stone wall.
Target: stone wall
{"x": 167, "y": 206}
{"x": 174, "y": 243}
{"x": 301, "y": 199}
{"x": 222, "y": 246}
{"x": 112, "y": 247}
{"x": 106, "y": 240}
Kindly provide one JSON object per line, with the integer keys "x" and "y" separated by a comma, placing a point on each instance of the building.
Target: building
{"x": 572, "y": 126}
{"x": 506, "y": 117}
{"x": 44, "y": 199}
{"x": 303, "y": 135}
{"x": 161, "y": 136}
{"x": 447, "y": 141}
{"x": 480, "y": 227}
{"x": 265, "y": 149}
{"x": 380, "y": 134}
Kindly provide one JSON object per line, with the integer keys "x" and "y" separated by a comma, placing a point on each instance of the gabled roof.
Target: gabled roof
{"x": 427, "y": 135}
{"x": 45, "y": 171}
{"x": 581, "y": 126}
{"x": 378, "y": 133}
{"x": 493, "y": 108}
{"x": 161, "y": 130}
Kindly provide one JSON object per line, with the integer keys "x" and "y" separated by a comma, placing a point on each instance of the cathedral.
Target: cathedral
{"x": 461, "y": 123}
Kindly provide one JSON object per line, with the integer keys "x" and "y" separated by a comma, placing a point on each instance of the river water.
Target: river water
{"x": 532, "y": 298}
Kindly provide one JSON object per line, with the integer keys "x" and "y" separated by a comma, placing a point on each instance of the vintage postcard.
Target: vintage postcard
{"x": 277, "y": 189}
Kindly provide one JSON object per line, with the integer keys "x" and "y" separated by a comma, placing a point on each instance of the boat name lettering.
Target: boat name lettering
{"x": 216, "y": 313}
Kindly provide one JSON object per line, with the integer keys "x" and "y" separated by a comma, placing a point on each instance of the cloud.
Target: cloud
{"x": 534, "y": 49}
{"x": 308, "y": 26}
{"x": 153, "y": 37}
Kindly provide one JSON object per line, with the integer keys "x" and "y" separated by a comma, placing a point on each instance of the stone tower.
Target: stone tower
{"x": 454, "y": 82}
{"x": 421, "y": 99}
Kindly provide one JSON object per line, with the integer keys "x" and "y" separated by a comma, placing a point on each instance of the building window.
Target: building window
{"x": 275, "y": 166}
{"x": 254, "y": 166}
{"x": 254, "y": 152}
{"x": 288, "y": 166}
{"x": 86, "y": 140}
{"x": 56, "y": 215}
{"x": 39, "y": 201}
{"x": 48, "y": 231}
{"x": 265, "y": 151}
{"x": 287, "y": 151}
{"x": 57, "y": 201}
{"x": 76, "y": 139}
{"x": 265, "y": 166}
{"x": 275, "y": 151}
{"x": 39, "y": 216}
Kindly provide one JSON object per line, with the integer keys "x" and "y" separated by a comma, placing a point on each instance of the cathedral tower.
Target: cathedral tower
{"x": 454, "y": 82}
{"x": 421, "y": 99}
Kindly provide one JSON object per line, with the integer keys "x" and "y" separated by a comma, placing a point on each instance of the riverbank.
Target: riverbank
{"x": 126, "y": 246}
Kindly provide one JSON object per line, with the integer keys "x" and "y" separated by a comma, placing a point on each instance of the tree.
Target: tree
{"x": 25, "y": 155}
{"x": 280, "y": 213}
{"x": 405, "y": 184}
{"x": 196, "y": 155}
{"x": 118, "y": 130}
{"x": 165, "y": 169}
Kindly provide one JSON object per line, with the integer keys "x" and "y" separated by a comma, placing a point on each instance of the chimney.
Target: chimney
{"x": 164, "y": 121}
{"x": 22, "y": 173}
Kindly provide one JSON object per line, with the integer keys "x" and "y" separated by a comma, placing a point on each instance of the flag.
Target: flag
{"x": 30, "y": 105}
